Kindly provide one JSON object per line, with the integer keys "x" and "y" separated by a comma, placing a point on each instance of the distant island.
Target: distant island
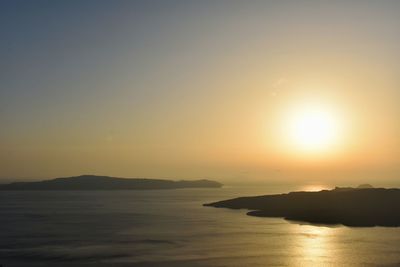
{"x": 93, "y": 182}
{"x": 362, "y": 206}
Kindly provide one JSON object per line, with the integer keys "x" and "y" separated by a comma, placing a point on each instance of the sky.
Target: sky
{"x": 200, "y": 89}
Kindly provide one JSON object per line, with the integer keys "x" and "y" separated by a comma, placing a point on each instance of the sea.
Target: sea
{"x": 173, "y": 228}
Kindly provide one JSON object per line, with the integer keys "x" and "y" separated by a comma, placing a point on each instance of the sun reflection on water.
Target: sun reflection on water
{"x": 314, "y": 188}
{"x": 315, "y": 245}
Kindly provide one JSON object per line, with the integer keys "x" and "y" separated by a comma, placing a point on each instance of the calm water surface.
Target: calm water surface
{"x": 172, "y": 228}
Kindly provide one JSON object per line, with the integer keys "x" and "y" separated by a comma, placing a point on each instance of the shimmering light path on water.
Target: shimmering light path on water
{"x": 172, "y": 228}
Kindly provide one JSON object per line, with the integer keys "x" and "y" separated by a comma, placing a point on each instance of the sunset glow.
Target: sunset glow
{"x": 233, "y": 91}
{"x": 172, "y": 133}
{"x": 312, "y": 129}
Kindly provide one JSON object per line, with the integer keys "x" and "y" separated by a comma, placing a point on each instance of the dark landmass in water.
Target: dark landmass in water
{"x": 362, "y": 206}
{"x": 93, "y": 182}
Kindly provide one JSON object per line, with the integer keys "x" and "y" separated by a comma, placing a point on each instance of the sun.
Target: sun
{"x": 312, "y": 128}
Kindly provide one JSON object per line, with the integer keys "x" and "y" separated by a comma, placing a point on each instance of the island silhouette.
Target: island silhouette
{"x": 361, "y": 207}
{"x": 94, "y": 182}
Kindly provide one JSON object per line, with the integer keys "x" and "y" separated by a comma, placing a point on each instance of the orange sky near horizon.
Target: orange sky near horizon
{"x": 212, "y": 90}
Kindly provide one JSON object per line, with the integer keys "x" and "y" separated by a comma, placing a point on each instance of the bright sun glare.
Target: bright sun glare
{"x": 312, "y": 128}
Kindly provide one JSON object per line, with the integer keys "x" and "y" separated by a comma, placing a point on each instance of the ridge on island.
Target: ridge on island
{"x": 93, "y": 182}
{"x": 361, "y": 207}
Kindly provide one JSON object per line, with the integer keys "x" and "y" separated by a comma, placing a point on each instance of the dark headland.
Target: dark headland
{"x": 363, "y": 206}
{"x": 93, "y": 182}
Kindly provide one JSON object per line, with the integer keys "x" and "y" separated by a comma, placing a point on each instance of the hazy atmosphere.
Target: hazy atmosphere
{"x": 201, "y": 89}
{"x": 199, "y": 133}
